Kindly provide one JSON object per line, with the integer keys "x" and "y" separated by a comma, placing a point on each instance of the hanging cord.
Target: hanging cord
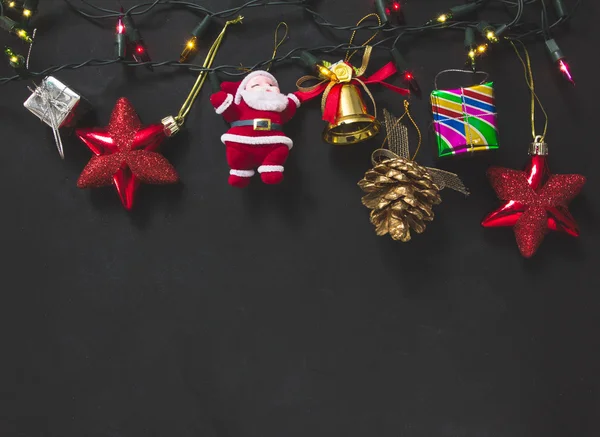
{"x": 278, "y": 43}
{"x": 398, "y": 148}
{"x": 210, "y": 57}
{"x": 534, "y": 98}
{"x": 454, "y": 70}
{"x": 409, "y": 116}
{"x": 275, "y": 48}
{"x": 366, "y": 17}
{"x": 30, "y": 48}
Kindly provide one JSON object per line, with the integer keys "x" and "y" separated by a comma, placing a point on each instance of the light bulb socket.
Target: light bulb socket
{"x": 483, "y": 27}
{"x": 469, "y": 38}
{"x": 500, "y": 30}
{"x": 313, "y": 63}
{"x": 462, "y": 10}
{"x": 488, "y": 31}
{"x": 561, "y": 10}
{"x": 309, "y": 60}
{"x": 200, "y": 30}
{"x": 399, "y": 61}
{"x": 413, "y": 85}
{"x": 120, "y": 45}
{"x": 132, "y": 32}
{"x": 7, "y": 23}
{"x": 554, "y": 50}
{"x": 380, "y": 8}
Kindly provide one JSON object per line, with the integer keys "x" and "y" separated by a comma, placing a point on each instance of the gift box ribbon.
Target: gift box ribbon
{"x": 49, "y": 103}
{"x": 331, "y": 88}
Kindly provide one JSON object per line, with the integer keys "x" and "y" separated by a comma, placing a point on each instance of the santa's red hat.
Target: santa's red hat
{"x": 236, "y": 88}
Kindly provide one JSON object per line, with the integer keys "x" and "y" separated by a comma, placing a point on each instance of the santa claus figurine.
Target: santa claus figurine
{"x": 256, "y": 111}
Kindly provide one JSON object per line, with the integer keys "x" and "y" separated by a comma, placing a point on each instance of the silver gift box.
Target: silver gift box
{"x": 54, "y": 103}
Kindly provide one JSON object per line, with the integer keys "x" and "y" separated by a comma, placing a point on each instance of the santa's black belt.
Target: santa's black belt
{"x": 258, "y": 124}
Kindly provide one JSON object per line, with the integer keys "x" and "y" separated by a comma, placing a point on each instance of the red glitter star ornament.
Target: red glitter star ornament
{"x": 125, "y": 154}
{"x": 535, "y": 201}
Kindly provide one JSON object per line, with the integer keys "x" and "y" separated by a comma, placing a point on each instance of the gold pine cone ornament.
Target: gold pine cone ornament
{"x": 401, "y": 195}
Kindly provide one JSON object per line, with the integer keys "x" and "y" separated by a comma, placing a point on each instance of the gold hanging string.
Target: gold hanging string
{"x": 530, "y": 84}
{"x": 366, "y": 17}
{"x": 398, "y": 148}
{"x": 278, "y": 43}
{"x": 210, "y": 57}
{"x": 414, "y": 123}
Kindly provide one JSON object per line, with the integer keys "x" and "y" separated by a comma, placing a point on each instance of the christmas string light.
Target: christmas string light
{"x": 515, "y": 29}
{"x": 470, "y": 47}
{"x": 311, "y": 62}
{"x": 121, "y": 40}
{"x": 198, "y": 32}
{"x": 16, "y": 61}
{"x": 11, "y": 4}
{"x": 172, "y": 124}
{"x": 393, "y": 10}
{"x": 556, "y": 54}
{"x": 407, "y": 76}
{"x": 457, "y": 12}
{"x": 138, "y": 49}
{"x": 490, "y": 33}
{"x": 29, "y": 8}
{"x": 11, "y": 26}
{"x": 558, "y": 58}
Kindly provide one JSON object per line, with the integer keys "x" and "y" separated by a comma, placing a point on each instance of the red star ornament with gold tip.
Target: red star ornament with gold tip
{"x": 125, "y": 154}
{"x": 535, "y": 202}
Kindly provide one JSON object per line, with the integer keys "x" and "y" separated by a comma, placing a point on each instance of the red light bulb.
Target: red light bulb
{"x": 139, "y": 49}
{"x": 409, "y": 79}
{"x": 120, "y": 40}
{"x": 393, "y": 9}
{"x": 120, "y": 26}
{"x": 565, "y": 70}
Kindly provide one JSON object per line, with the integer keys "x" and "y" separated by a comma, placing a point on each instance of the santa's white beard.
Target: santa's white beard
{"x": 265, "y": 100}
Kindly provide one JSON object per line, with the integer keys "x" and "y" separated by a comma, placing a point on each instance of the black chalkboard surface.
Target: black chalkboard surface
{"x": 275, "y": 310}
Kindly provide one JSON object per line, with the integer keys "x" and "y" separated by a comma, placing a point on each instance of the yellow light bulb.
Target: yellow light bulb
{"x": 472, "y": 54}
{"x": 21, "y": 33}
{"x": 13, "y": 59}
{"x": 482, "y": 48}
{"x": 26, "y": 13}
{"x": 12, "y": 4}
{"x": 490, "y": 35}
{"x": 442, "y": 18}
{"x": 190, "y": 47}
{"x": 326, "y": 73}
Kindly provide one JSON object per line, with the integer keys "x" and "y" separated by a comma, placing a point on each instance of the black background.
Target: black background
{"x": 276, "y": 311}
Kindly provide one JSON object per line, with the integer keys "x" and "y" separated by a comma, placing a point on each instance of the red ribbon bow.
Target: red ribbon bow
{"x": 332, "y": 103}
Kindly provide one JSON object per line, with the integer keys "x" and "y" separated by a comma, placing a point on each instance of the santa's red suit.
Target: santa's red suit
{"x": 255, "y": 139}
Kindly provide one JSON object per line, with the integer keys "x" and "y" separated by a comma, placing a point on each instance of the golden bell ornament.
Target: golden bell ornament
{"x": 353, "y": 124}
